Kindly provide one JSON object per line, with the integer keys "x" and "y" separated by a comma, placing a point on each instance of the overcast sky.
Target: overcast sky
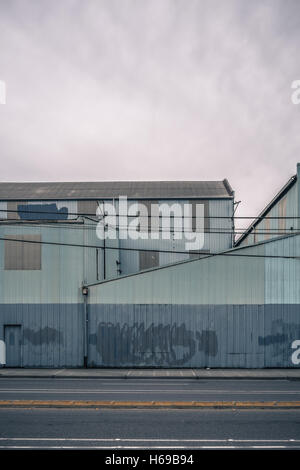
{"x": 151, "y": 90}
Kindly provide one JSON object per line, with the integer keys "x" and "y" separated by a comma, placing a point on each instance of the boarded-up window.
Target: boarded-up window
{"x": 148, "y": 259}
{"x": 12, "y": 209}
{"x": 21, "y": 255}
{"x": 88, "y": 208}
{"x": 282, "y": 213}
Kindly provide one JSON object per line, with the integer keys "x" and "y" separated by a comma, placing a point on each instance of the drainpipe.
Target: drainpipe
{"x": 298, "y": 190}
{"x": 85, "y": 292}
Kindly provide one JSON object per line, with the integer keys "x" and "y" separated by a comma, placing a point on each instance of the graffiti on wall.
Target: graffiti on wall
{"x": 42, "y": 336}
{"x": 281, "y": 335}
{"x": 155, "y": 344}
{"x": 42, "y": 211}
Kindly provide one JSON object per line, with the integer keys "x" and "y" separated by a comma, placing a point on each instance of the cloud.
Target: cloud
{"x": 151, "y": 90}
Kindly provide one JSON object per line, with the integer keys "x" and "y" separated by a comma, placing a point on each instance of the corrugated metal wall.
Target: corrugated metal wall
{"x": 93, "y": 267}
{"x": 223, "y": 311}
{"x": 247, "y": 336}
{"x": 287, "y": 206}
{"x": 220, "y": 311}
{"x": 51, "y": 333}
{"x": 209, "y": 281}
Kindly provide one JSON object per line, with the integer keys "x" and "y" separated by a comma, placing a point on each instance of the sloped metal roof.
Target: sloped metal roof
{"x": 267, "y": 209}
{"x": 114, "y": 189}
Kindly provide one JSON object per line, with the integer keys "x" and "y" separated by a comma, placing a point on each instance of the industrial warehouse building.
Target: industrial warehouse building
{"x": 70, "y": 299}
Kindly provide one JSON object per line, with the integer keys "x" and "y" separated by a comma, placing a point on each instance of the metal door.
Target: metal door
{"x": 13, "y": 345}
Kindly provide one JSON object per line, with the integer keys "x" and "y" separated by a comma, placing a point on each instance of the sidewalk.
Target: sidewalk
{"x": 153, "y": 373}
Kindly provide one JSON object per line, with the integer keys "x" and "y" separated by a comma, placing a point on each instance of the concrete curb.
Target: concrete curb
{"x": 185, "y": 374}
{"x": 175, "y": 377}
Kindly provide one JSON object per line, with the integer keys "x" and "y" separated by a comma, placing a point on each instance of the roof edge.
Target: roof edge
{"x": 267, "y": 209}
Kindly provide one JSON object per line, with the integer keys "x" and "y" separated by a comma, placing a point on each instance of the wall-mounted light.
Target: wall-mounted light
{"x": 85, "y": 291}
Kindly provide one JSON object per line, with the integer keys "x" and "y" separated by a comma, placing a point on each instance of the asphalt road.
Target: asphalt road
{"x": 75, "y": 428}
{"x": 149, "y": 389}
{"x": 148, "y": 429}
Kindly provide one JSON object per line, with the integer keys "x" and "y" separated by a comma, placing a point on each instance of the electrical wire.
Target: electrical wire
{"x": 78, "y": 214}
{"x": 83, "y": 226}
{"x": 194, "y": 252}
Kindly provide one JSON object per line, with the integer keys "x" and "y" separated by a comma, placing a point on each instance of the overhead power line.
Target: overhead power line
{"x": 83, "y": 226}
{"x": 203, "y": 254}
{"x": 83, "y": 214}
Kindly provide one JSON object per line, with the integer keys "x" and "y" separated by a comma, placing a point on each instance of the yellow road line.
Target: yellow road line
{"x": 148, "y": 404}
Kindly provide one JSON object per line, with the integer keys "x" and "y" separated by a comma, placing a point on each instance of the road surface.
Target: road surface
{"x": 73, "y": 428}
{"x": 149, "y": 389}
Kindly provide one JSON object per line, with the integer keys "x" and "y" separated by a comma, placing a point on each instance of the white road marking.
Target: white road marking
{"x": 120, "y": 439}
{"x": 214, "y": 392}
{"x": 148, "y": 447}
{"x": 210, "y": 443}
{"x": 89, "y": 447}
{"x": 133, "y": 380}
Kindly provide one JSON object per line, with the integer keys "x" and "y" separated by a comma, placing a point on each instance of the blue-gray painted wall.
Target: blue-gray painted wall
{"x": 51, "y": 333}
{"x": 247, "y": 336}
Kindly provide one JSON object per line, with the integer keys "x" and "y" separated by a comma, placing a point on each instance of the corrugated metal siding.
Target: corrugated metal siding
{"x": 83, "y": 261}
{"x": 45, "y": 210}
{"x": 274, "y": 225}
{"x": 249, "y": 336}
{"x": 51, "y": 333}
{"x": 215, "y": 242}
{"x": 124, "y": 335}
{"x": 282, "y": 275}
{"x": 168, "y": 248}
{"x": 61, "y": 276}
{"x": 214, "y": 280}
{"x": 216, "y": 312}
{"x": 281, "y": 328}
{"x": 3, "y": 210}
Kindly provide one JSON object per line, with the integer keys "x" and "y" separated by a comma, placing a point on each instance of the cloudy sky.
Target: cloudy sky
{"x": 151, "y": 89}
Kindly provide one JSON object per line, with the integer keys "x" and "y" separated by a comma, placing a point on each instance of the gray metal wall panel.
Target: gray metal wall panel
{"x": 148, "y": 259}
{"x": 213, "y": 280}
{"x": 159, "y": 335}
{"x": 282, "y": 327}
{"x": 265, "y": 229}
{"x": 51, "y": 333}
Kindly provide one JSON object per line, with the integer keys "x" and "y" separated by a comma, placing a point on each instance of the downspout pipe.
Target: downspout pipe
{"x": 85, "y": 293}
{"x": 298, "y": 190}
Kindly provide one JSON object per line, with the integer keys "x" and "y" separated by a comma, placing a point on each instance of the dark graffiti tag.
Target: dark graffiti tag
{"x": 207, "y": 342}
{"x": 152, "y": 345}
{"x": 43, "y": 336}
{"x": 279, "y": 341}
{"x": 42, "y": 211}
